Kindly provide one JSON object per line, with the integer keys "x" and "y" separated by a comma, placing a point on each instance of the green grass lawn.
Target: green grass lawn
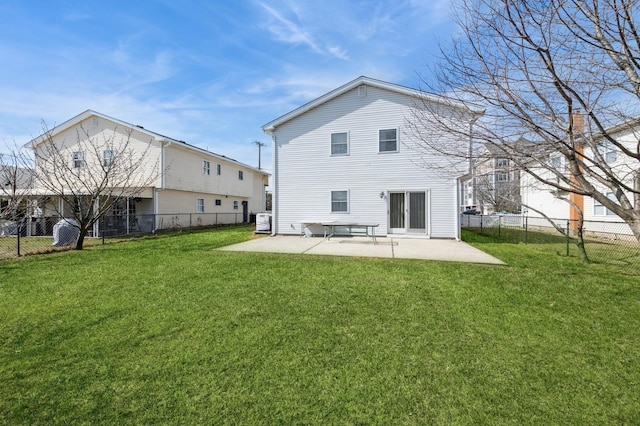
{"x": 169, "y": 330}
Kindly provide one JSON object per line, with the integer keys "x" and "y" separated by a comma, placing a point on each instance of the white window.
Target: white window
{"x": 339, "y": 144}
{"x": 339, "y": 201}
{"x": 600, "y": 210}
{"x": 240, "y": 175}
{"x": 78, "y": 159}
{"x": 557, "y": 162}
{"x": 235, "y": 205}
{"x": 608, "y": 151}
{"x": 199, "y": 205}
{"x": 388, "y": 140}
{"x": 502, "y": 177}
{"x": 206, "y": 167}
{"x": 218, "y": 169}
{"x": 108, "y": 157}
{"x": 502, "y": 162}
{"x": 218, "y": 202}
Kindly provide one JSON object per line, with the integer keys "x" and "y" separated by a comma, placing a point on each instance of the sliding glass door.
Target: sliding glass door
{"x": 407, "y": 212}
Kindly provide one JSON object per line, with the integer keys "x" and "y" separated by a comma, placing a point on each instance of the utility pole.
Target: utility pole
{"x": 260, "y": 145}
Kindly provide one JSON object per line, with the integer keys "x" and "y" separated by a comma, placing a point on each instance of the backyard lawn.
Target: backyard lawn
{"x": 169, "y": 330}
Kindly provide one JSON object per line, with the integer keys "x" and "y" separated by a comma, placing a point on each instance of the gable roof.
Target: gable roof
{"x": 159, "y": 137}
{"x": 363, "y": 80}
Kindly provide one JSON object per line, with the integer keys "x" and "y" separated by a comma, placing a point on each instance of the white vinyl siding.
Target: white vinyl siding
{"x": 340, "y": 143}
{"x": 304, "y": 178}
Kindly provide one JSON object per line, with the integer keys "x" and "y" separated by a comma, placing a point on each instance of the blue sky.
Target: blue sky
{"x": 210, "y": 73}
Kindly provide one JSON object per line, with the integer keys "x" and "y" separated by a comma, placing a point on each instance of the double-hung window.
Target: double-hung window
{"x": 557, "y": 162}
{"x": 388, "y": 140}
{"x": 108, "y": 157}
{"x": 502, "y": 162}
{"x": 78, "y": 159}
{"x": 339, "y": 201}
{"x": 199, "y": 205}
{"x": 218, "y": 169}
{"x": 240, "y": 175}
{"x": 339, "y": 143}
{"x": 502, "y": 177}
{"x": 600, "y": 210}
{"x": 206, "y": 167}
{"x": 608, "y": 152}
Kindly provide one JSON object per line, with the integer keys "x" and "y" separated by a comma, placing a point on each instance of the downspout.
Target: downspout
{"x": 475, "y": 116}
{"x": 163, "y": 143}
{"x": 274, "y": 194}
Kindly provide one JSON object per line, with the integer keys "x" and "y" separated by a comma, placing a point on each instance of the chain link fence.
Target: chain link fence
{"x": 605, "y": 242}
{"x": 36, "y": 235}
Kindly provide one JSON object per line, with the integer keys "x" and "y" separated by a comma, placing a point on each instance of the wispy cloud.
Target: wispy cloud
{"x": 287, "y": 31}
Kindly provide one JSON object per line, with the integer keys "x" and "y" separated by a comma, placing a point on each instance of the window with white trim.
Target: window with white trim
{"x": 235, "y": 205}
{"x": 199, "y": 205}
{"x": 206, "y": 167}
{"x": 558, "y": 163}
{"x": 218, "y": 202}
{"x": 502, "y": 162}
{"x": 502, "y": 177}
{"x": 608, "y": 151}
{"x": 388, "y": 140}
{"x": 108, "y": 157}
{"x": 240, "y": 175}
{"x": 218, "y": 169}
{"x": 600, "y": 210}
{"x": 339, "y": 143}
{"x": 339, "y": 201}
{"x": 78, "y": 159}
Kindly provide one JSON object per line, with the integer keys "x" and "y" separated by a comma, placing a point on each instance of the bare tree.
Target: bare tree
{"x": 86, "y": 177}
{"x": 562, "y": 74}
{"x": 15, "y": 182}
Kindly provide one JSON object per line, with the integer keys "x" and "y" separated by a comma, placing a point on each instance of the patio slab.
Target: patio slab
{"x": 394, "y": 248}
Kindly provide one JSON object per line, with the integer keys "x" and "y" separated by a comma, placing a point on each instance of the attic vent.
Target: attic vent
{"x": 362, "y": 91}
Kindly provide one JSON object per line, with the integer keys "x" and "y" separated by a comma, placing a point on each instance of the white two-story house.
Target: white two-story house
{"x": 353, "y": 155}
{"x": 180, "y": 182}
{"x": 562, "y": 205}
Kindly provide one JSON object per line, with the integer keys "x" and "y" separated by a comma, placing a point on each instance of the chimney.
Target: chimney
{"x": 577, "y": 122}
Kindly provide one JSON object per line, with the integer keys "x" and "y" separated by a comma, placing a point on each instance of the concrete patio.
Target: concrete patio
{"x": 387, "y": 247}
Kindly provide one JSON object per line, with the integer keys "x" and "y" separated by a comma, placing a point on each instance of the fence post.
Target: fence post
{"x": 481, "y": 217}
{"x": 190, "y": 216}
{"x": 19, "y": 232}
{"x": 526, "y": 229}
{"x": 499, "y": 225}
{"x": 568, "y": 225}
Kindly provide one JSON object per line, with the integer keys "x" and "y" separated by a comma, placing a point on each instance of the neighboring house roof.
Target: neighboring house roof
{"x": 271, "y": 126}
{"x": 161, "y": 138}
